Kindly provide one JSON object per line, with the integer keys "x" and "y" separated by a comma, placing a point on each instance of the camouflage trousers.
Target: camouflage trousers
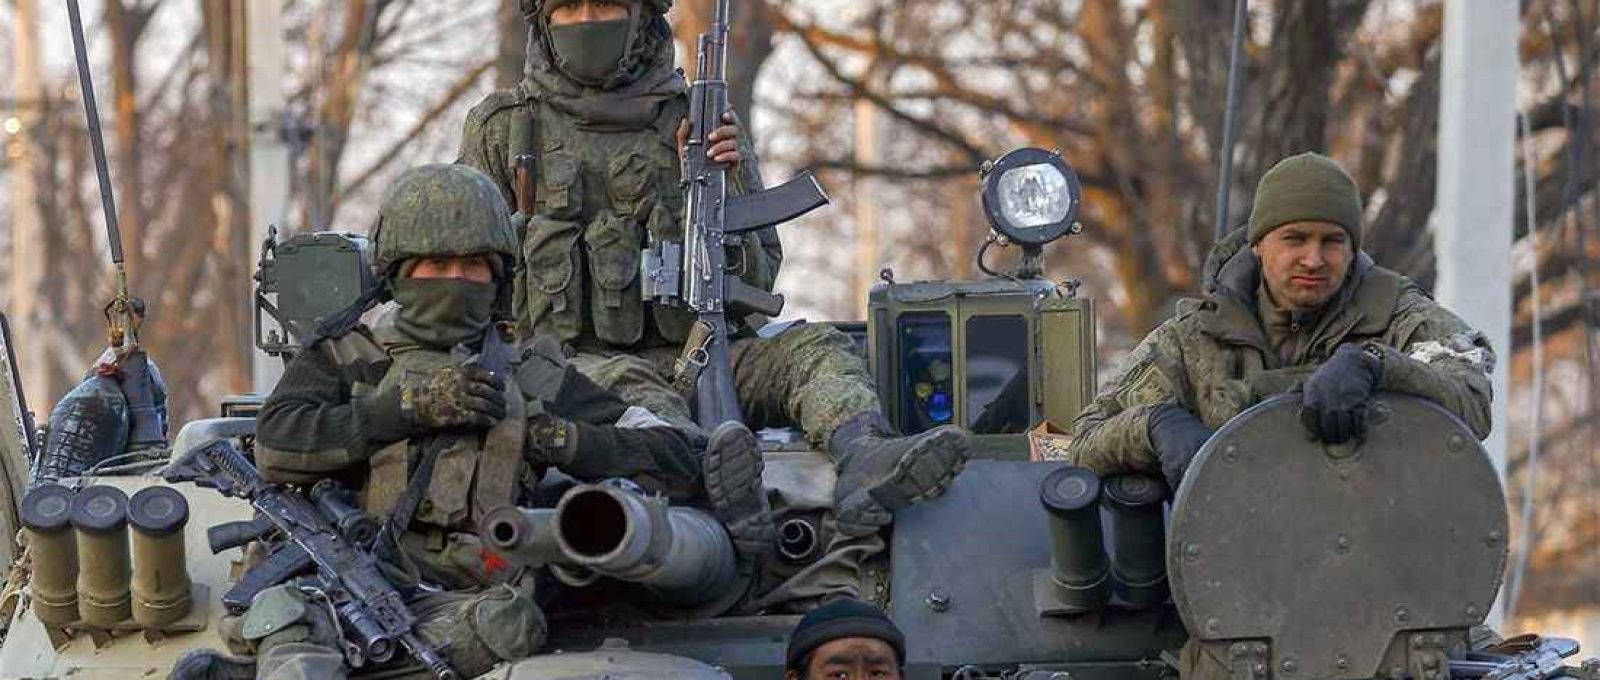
{"x": 294, "y": 636}
{"x": 808, "y": 377}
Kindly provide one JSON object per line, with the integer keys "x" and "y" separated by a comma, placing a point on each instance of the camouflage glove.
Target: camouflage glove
{"x": 1177, "y": 436}
{"x": 1335, "y": 406}
{"x": 454, "y": 396}
{"x": 550, "y": 441}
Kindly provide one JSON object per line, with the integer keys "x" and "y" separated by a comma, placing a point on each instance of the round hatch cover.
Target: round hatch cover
{"x": 1328, "y": 551}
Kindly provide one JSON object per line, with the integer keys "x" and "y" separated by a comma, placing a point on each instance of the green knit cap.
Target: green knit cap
{"x": 1309, "y": 187}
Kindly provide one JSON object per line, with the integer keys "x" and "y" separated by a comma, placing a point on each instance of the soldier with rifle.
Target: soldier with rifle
{"x": 436, "y": 420}
{"x": 607, "y": 136}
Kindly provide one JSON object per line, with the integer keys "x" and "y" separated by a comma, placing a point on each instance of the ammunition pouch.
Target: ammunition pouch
{"x": 614, "y": 255}
{"x": 554, "y": 284}
{"x": 467, "y": 480}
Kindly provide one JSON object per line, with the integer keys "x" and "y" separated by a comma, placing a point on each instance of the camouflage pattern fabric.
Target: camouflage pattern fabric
{"x": 451, "y": 396}
{"x": 471, "y": 475}
{"x": 1214, "y": 357}
{"x": 600, "y": 192}
{"x": 294, "y": 636}
{"x": 807, "y": 377}
{"x": 441, "y": 210}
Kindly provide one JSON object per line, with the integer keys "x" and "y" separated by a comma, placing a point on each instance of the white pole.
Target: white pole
{"x": 1472, "y": 226}
{"x": 269, "y": 154}
{"x": 869, "y": 246}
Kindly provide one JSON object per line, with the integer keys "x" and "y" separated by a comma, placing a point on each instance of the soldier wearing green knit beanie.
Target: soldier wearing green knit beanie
{"x": 1309, "y": 187}
{"x": 1291, "y": 304}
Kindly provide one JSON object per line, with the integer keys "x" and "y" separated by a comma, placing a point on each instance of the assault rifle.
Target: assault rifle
{"x": 372, "y": 614}
{"x": 1543, "y": 660}
{"x": 695, "y": 274}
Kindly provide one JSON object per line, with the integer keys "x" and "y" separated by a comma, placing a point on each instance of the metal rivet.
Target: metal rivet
{"x": 1379, "y": 413}
{"x": 1456, "y": 443}
{"x": 938, "y": 601}
{"x": 1231, "y": 453}
{"x": 1289, "y": 665}
{"x": 1493, "y": 538}
{"x": 1402, "y": 615}
{"x": 1191, "y": 551}
{"x": 1342, "y": 663}
{"x": 1472, "y": 610}
{"x": 1342, "y": 546}
{"x": 1214, "y": 626}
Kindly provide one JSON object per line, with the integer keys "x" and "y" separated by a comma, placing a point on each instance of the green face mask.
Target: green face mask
{"x": 590, "y": 51}
{"x": 442, "y": 313}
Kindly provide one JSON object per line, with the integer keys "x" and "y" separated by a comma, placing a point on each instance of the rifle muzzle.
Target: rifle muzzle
{"x": 47, "y": 518}
{"x": 158, "y": 515}
{"x": 100, "y": 515}
{"x": 681, "y": 555}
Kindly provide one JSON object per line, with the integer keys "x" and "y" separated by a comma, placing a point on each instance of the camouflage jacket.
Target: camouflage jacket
{"x": 1214, "y": 357}
{"x": 311, "y": 427}
{"x": 600, "y": 196}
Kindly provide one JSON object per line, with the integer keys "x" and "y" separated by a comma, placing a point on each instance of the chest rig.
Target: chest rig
{"x": 601, "y": 196}
{"x": 472, "y": 475}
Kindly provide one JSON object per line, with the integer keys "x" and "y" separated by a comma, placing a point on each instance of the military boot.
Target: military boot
{"x": 880, "y": 472}
{"x": 732, "y": 470}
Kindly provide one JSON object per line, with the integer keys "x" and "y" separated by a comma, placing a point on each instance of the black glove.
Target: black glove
{"x": 1335, "y": 406}
{"x": 1177, "y": 435}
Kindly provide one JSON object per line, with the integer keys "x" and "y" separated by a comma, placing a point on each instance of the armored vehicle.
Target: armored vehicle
{"x": 1300, "y": 560}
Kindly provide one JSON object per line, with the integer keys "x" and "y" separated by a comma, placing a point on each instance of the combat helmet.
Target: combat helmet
{"x": 441, "y": 209}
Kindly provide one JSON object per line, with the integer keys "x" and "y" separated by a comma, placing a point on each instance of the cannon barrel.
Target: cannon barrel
{"x": 681, "y": 555}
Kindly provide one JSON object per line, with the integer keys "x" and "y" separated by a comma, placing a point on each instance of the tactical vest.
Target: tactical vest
{"x": 471, "y": 476}
{"x": 593, "y": 218}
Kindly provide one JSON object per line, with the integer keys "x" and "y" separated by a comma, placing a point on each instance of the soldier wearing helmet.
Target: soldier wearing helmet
{"x": 601, "y": 110}
{"x": 364, "y": 406}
